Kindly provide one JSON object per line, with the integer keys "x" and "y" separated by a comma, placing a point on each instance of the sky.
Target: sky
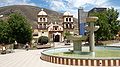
{"x": 65, "y": 5}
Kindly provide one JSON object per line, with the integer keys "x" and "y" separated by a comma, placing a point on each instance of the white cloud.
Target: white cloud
{"x": 16, "y": 2}
{"x": 57, "y": 5}
{"x": 64, "y": 5}
{"x": 72, "y": 5}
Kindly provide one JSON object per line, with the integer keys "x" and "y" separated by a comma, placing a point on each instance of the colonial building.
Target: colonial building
{"x": 53, "y": 31}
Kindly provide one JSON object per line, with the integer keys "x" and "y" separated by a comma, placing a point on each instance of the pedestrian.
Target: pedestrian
{"x": 27, "y": 46}
{"x": 15, "y": 42}
{"x": 3, "y": 49}
{"x": 15, "y": 45}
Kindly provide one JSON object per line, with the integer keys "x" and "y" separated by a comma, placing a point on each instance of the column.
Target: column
{"x": 91, "y": 38}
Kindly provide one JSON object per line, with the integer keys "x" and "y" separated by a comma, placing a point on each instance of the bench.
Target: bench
{"x": 43, "y": 46}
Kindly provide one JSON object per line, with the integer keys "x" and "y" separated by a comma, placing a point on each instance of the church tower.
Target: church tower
{"x": 42, "y": 23}
{"x": 68, "y": 22}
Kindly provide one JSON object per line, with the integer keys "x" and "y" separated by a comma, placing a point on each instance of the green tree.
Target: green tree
{"x": 4, "y": 32}
{"x": 67, "y": 36}
{"x": 20, "y": 29}
{"x": 43, "y": 40}
{"x": 107, "y": 21}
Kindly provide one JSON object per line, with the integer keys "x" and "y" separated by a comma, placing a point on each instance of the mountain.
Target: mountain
{"x": 30, "y": 12}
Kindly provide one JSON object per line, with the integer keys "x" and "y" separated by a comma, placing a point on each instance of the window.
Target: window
{"x": 69, "y": 19}
{"x": 40, "y": 19}
{"x": 56, "y": 28}
{"x": 70, "y": 25}
{"x": 44, "y": 26}
{"x": 66, "y": 25}
{"x": 35, "y": 34}
{"x": 66, "y": 19}
{"x": 40, "y": 26}
{"x": 44, "y": 19}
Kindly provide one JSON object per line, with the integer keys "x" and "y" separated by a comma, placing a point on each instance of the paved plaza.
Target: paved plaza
{"x": 31, "y": 58}
{"x": 23, "y": 58}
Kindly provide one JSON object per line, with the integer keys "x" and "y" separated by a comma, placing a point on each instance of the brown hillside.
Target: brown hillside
{"x": 31, "y": 14}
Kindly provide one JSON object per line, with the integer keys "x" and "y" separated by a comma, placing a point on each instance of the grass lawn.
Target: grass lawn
{"x": 107, "y": 53}
{"x": 99, "y": 53}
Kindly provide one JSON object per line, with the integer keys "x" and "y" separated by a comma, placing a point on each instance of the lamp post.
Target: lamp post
{"x": 91, "y": 28}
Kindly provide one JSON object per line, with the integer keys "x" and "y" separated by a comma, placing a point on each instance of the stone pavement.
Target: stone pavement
{"x": 31, "y": 58}
{"x": 23, "y": 58}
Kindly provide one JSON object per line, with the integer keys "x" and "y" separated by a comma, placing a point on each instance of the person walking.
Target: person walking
{"x": 3, "y": 49}
{"x": 15, "y": 45}
{"x": 27, "y": 46}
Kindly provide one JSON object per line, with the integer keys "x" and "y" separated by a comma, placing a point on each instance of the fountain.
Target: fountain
{"x": 77, "y": 43}
{"x": 91, "y": 28}
{"x": 77, "y": 40}
{"x": 82, "y": 56}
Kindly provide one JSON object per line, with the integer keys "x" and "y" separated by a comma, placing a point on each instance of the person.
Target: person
{"x": 15, "y": 45}
{"x": 15, "y": 42}
{"x": 3, "y": 49}
{"x": 27, "y": 46}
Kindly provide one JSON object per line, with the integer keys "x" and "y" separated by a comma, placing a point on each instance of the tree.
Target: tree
{"x": 67, "y": 36}
{"x": 4, "y": 32}
{"x": 43, "y": 40}
{"x": 109, "y": 27}
{"x": 20, "y": 29}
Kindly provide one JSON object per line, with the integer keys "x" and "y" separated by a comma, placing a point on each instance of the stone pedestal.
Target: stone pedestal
{"x": 77, "y": 43}
{"x": 77, "y": 46}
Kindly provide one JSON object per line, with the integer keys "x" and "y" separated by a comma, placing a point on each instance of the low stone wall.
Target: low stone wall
{"x": 81, "y": 61}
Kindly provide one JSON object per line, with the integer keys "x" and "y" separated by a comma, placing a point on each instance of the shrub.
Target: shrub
{"x": 43, "y": 40}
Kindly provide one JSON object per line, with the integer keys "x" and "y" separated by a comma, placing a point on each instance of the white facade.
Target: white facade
{"x": 54, "y": 32}
{"x": 40, "y": 33}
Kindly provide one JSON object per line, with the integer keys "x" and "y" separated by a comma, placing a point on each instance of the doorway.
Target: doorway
{"x": 56, "y": 38}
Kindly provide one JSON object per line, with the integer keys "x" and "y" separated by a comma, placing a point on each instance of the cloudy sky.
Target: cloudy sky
{"x": 65, "y": 5}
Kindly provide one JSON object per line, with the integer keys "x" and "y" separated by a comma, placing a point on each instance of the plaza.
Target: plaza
{"x": 23, "y": 58}
{"x": 35, "y": 36}
{"x": 31, "y": 58}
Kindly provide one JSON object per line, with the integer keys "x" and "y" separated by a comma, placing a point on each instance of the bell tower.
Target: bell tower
{"x": 42, "y": 23}
{"x": 68, "y": 22}
{"x": 42, "y": 20}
